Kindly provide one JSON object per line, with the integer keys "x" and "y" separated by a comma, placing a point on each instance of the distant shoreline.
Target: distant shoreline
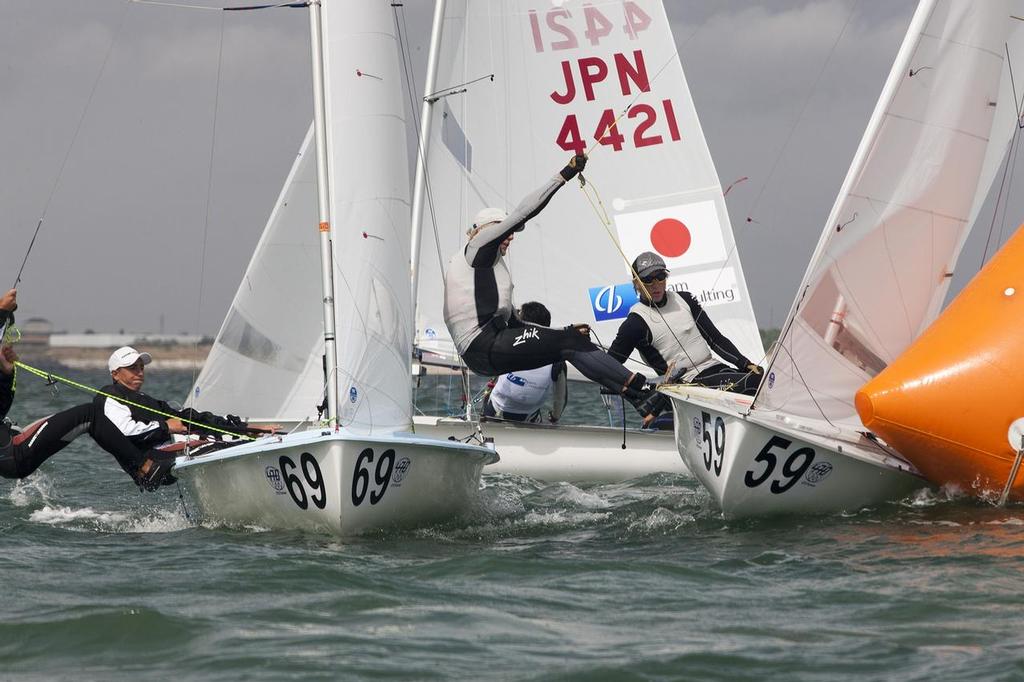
{"x": 164, "y": 356}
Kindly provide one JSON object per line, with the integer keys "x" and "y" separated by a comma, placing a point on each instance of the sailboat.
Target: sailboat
{"x": 513, "y": 89}
{"x": 278, "y": 354}
{"x": 876, "y": 280}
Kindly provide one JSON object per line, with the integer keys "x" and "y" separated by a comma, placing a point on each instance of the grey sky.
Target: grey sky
{"x": 122, "y": 244}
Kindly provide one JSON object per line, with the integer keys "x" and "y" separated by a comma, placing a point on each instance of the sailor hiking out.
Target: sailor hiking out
{"x": 479, "y": 312}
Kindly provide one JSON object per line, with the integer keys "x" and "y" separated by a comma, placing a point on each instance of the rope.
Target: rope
{"x": 51, "y": 378}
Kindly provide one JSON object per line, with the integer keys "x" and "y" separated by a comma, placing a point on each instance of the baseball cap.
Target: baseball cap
{"x": 126, "y": 356}
{"x": 648, "y": 263}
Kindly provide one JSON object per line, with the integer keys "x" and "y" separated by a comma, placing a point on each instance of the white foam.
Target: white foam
{"x": 37, "y": 488}
{"x": 158, "y": 521}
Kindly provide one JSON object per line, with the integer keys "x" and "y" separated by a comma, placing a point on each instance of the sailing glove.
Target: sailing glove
{"x": 575, "y": 167}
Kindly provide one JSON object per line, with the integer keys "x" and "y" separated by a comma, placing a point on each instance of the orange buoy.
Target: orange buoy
{"x": 947, "y": 403}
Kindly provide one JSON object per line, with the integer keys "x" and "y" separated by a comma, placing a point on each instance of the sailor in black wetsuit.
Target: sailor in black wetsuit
{"x": 130, "y": 428}
{"x": 23, "y": 451}
{"x": 675, "y": 336}
{"x": 478, "y": 307}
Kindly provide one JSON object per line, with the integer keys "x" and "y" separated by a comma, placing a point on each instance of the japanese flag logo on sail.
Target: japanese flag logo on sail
{"x": 684, "y": 235}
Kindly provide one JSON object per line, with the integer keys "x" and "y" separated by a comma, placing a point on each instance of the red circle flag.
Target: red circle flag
{"x": 670, "y": 237}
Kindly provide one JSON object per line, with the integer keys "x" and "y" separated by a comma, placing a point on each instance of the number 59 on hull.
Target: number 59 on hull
{"x": 336, "y": 482}
{"x": 755, "y": 467}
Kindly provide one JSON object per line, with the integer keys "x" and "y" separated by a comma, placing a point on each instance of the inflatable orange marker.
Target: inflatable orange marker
{"x": 947, "y": 403}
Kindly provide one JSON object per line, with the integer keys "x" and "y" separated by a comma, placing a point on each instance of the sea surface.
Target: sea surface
{"x": 642, "y": 580}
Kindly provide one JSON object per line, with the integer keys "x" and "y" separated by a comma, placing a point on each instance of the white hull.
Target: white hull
{"x": 336, "y": 482}
{"x": 567, "y": 453}
{"x": 754, "y": 467}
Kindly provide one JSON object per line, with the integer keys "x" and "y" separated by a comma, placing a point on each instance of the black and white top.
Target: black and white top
{"x": 674, "y": 332}
{"x": 144, "y": 427}
{"x": 478, "y": 284}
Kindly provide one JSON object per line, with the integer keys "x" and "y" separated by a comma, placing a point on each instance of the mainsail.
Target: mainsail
{"x": 267, "y": 360}
{"x": 568, "y": 76}
{"x": 369, "y": 214}
{"x": 883, "y": 265}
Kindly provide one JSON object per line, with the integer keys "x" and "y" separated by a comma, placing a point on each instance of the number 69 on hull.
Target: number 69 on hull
{"x": 753, "y": 466}
{"x": 336, "y": 482}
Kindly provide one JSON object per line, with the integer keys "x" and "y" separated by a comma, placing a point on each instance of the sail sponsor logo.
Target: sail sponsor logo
{"x": 709, "y": 287}
{"x": 612, "y": 301}
{"x": 528, "y": 334}
{"x": 353, "y": 394}
{"x": 685, "y": 235}
{"x": 818, "y": 472}
{"x": 274, "y": 479}
{"x": 771, "y": 380}
{"x": 430, "y": 333}
{"x": 401, "y": 469}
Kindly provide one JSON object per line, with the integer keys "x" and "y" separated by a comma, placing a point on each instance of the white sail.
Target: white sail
{"x": 882, "y": 268}
{"x": 369, "y": 191}
{"x": 563, "y": 73}
{"x": 266, "y": 361}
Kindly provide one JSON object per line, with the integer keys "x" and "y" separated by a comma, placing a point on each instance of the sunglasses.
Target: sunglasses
{"x": 657, "y": 277}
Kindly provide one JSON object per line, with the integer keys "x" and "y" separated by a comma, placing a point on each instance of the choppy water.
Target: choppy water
{"x": 640, "y": 580}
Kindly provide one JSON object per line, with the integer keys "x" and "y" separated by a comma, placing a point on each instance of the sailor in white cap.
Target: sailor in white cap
{"x": 130, "y": 424}
{"x": 478, "y": 308}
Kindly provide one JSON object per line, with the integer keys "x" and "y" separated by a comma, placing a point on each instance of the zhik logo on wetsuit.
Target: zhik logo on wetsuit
{"x": 528, "y": 333}
{"x": 612, "y": 301}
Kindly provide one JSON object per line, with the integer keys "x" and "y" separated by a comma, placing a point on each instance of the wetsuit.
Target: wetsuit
{"x": 677, "y": 332}
{"x": 518, "y": 396}
{"x": 478, "y": 310}
{"x": 143, "y": 428}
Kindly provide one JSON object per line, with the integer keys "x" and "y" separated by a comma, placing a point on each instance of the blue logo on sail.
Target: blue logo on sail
{"x": 612, "y": 301}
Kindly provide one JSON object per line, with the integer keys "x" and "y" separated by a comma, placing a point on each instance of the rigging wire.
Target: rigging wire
{"x": 803, "y": 108}
{"x": 209, "y": 200}
{"x": 1008, "y": 167}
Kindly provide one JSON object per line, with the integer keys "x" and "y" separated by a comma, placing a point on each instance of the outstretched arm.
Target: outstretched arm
{"x": 482, "y": 249}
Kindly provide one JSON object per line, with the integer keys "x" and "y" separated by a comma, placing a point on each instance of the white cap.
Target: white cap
{"x": 126, "y": 356}
{"x": 487, "y": 215}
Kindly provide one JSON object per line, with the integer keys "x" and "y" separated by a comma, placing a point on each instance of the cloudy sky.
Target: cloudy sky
{"x": 142, "y": 133}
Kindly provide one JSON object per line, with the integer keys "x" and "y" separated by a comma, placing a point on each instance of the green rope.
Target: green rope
{"x": 50, "y": 377}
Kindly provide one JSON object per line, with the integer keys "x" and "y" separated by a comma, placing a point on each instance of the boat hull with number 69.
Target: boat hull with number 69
{"x": 755, "y": 469}
{"x": 335, "y": 481}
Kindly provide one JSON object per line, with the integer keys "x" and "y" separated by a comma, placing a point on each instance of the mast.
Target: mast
{"x": 324, "y": 211}
{"x": 419, "y": 184}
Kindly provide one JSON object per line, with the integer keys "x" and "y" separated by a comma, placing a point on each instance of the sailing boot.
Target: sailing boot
{"x": 155, "y": 471}
{"x": 642, "y": 396}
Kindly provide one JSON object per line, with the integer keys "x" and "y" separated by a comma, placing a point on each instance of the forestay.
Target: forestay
{"x": 563, "y": 73}
{"x": 266, "y": 361}
{"x": 884, "y": 262}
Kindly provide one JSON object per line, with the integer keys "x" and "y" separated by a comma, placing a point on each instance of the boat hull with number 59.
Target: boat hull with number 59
{"x": 756, "y": 467}
{"x": 876, "y": 281}
{"x": 336, "y": 482}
